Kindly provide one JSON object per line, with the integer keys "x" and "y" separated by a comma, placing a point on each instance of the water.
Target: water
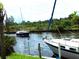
{"x": 25, "y": 46}
{"x": 30, "y": 45}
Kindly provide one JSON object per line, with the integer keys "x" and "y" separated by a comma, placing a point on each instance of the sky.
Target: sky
{"x": 35, "y": 10}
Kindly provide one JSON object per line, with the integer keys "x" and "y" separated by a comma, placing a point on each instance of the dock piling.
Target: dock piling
{"x": 39, "y": 50}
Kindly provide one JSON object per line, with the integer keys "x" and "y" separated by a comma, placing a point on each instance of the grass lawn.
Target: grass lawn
{"x": 20, "y": 56}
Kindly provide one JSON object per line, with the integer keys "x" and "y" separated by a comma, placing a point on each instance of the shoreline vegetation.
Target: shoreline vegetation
{"x": 62, "y": 31}
{"x": 70, "y": 23}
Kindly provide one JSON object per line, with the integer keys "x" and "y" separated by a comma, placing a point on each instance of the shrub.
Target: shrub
{"x": 9, "y": 42}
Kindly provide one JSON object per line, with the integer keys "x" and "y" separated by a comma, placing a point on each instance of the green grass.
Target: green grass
{"x": 21, "y": 56}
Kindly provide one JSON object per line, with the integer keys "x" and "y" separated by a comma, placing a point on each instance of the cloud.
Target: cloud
{"x": 65, "y": 7}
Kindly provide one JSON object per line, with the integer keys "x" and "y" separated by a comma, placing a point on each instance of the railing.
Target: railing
{"x": 65, "y": 44}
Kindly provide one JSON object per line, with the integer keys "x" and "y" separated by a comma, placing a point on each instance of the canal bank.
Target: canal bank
{"x": 21, "y": 56}
{"x": 41, "y": 31}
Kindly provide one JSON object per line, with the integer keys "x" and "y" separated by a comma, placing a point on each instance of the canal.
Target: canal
{"x": 29, "y": 45}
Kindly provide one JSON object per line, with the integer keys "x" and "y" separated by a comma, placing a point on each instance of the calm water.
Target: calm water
{"x": 25, "y": 46}
{"x": 30, "y": 46}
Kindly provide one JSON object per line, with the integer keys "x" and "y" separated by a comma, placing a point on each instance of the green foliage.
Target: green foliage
{"x": 1, "y": 7}
{"x": 69, "y": 23}
{"x": 74, "y": 18}
{"x": 1, "y": 12}
{"x": 20, "y": 56}
{"x": 9, "y": 42}
{"x": 10, "y": 21}
{"x": 75, "y": 27}
{"x": 65, "y": 23}
{"x": 10, "y": 24}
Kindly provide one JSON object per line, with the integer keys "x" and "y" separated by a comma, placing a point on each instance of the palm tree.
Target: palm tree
{"x": 1, "y": 31}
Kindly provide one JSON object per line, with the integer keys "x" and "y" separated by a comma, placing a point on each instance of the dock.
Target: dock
{"x": 48, "y": 57}
{"x": 45, "y": 57}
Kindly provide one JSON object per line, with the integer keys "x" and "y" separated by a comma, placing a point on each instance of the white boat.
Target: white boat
{"x": 22, "y": 33}
{"x": 69, "y": 48}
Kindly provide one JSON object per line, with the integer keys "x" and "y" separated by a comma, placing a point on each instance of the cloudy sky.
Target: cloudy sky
{"x": 35, "y": 10}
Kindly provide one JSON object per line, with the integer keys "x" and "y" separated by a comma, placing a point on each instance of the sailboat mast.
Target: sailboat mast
{"x": 59, "y": 48}
{"x": 52, "y": 14}
{"x": 21, "y": 14}
{"x": 53, "y": 9}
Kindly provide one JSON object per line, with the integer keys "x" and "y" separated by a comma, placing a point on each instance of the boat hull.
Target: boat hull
{"x": 22, "y": 34}
{"x": 64, "y": 52}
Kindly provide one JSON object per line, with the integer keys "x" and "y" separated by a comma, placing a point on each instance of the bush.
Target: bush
{"x": 9, "y": 42}
{"x": 75, "y": 27}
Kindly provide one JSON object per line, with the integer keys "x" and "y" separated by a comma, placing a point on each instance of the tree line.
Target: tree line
{"x": 68, "y": 23}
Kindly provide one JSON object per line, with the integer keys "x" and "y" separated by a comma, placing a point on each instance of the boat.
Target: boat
{"x": 22, "y": 33}
{"x": 68, "y": 48}
{"x": 64, "y": 47}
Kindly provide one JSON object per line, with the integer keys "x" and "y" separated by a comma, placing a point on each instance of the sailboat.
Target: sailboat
{"x": 64, "y": 47}
{"x": 22, "y": 33}
{"x": 69, "y": 48}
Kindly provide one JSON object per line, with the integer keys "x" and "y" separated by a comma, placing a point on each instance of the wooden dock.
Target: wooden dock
{"x": 48, "y": 57}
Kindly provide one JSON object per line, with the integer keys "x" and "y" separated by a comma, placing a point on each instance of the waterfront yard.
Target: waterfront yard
{"x": 21, "y": 56}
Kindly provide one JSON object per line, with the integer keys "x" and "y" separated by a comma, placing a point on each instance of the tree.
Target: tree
{"x": 66, "y": 24}
{"x": 9, "y": 22}
{"x": 74, "y": 19}
{"x": 23, "y": 22}
{"x": 2, "y": 14}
